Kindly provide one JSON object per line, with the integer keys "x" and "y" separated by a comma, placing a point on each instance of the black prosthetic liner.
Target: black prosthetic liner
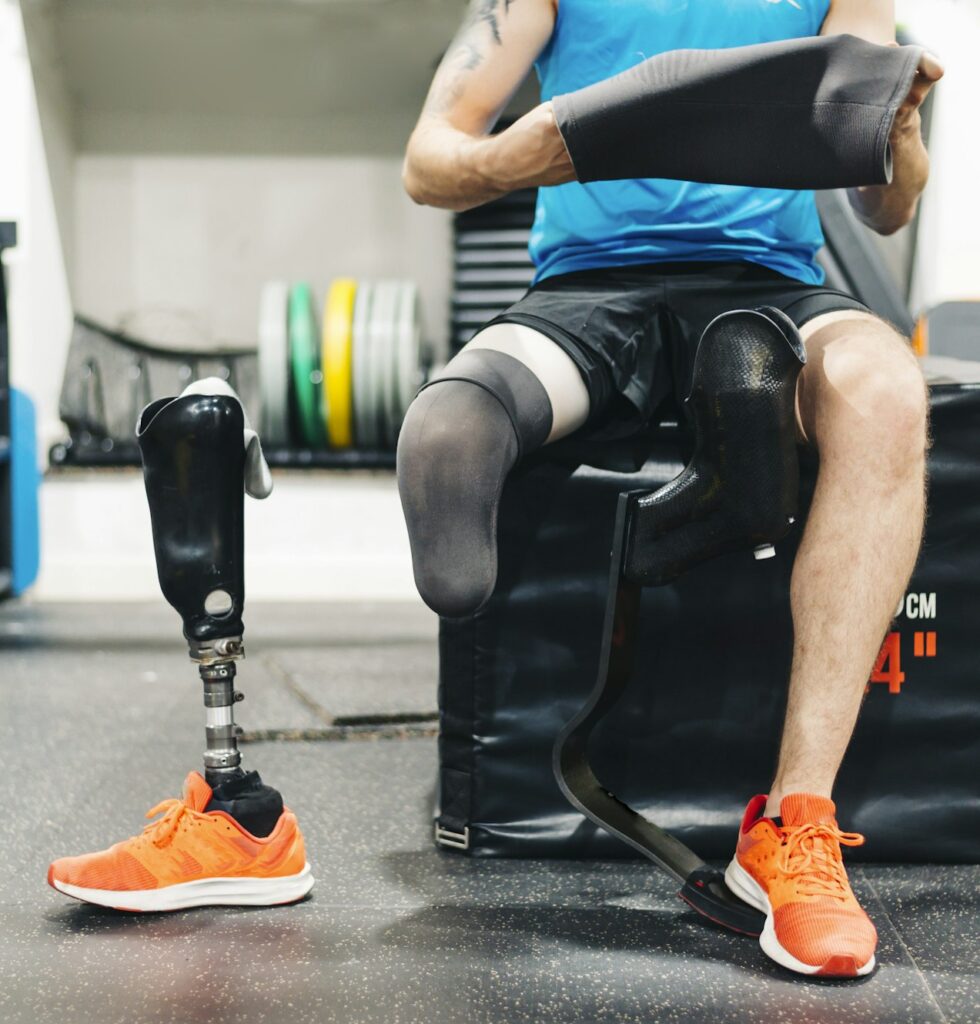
{"x": 810, "y": 113}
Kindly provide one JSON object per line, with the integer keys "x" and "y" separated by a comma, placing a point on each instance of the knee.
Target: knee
{"x": 427, "y": 434}
{"x": 455, "y": 449}
{"x": 872, "y": 394}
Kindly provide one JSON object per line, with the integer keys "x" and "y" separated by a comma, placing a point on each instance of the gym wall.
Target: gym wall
{"x": 222, "y": 225}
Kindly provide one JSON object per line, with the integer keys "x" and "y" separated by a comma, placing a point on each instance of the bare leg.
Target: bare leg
{"x": 550, "y": 364}
{"x": 862, "y": 402}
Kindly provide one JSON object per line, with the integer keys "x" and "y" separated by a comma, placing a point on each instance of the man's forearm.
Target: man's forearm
{"x": 886, "y": 208}
{"x": 444, "y": 168}
{"x": 447, "y": 168}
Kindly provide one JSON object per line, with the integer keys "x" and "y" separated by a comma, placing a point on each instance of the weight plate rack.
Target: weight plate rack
{"x": 330, "y": 388}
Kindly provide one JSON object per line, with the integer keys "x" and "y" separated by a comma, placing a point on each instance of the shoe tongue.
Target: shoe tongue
{"x": 197, "y": 793}
{"x": 807, "y": 809}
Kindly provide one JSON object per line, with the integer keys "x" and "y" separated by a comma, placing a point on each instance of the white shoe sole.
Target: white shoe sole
{"x": 205, "y": 892}
{"x": 748, "y": 889}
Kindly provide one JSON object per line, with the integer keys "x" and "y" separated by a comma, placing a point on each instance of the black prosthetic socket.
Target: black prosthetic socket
{"x": 243, "y": 796}
{"x": 740, "y": 488}
{"x": 193, "y": 450}
{"x": 193, "y": 467}
{"x": 799, "y": 113}
{"x": 462, "y": 435}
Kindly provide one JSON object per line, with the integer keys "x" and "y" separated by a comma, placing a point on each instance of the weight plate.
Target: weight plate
{"x": 364, "y": 432}
{"x": 383, "y": 311}
{"x": 338, "y": 316}
{"x": 274, "y": 363}
{"x": 304, "y": 359}
{"x": 409, "y": 335}
{"x": 392, "y": 387}
{"x": 371, "y": 411}
{"x": 391, "y": 418}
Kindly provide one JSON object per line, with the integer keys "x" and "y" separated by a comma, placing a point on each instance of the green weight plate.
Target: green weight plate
{"x": 304, "y": 358}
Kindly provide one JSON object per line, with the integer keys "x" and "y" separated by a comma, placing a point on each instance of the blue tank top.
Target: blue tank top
{"x": 648, "y": 220}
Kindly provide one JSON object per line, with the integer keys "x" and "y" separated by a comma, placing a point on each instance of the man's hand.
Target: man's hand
{"x": 908, "y": 118}
{"x": 886, "y": 208}
{"x": 907, "y": 127}
{"x": 530, "y": 152}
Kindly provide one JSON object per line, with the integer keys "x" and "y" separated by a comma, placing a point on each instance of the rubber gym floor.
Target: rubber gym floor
{"x": 100, "y": 718}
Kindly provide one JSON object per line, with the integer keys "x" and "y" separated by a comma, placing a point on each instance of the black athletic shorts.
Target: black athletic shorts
{"x": 633, "y": 331}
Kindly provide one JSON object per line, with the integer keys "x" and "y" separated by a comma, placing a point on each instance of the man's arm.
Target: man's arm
{"x": 451, "y": 160}
{"x": 886, "y": 208}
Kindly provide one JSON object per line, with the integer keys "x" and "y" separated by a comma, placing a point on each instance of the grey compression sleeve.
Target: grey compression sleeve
{"x": 802, "y": 113}
{"x": 465, "y": 431}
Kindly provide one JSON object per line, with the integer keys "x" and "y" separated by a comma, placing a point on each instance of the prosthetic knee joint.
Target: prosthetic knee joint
{"x": 199, "y": 454}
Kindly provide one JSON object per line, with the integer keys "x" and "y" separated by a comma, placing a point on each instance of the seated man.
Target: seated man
{"x": 629, "y": 273}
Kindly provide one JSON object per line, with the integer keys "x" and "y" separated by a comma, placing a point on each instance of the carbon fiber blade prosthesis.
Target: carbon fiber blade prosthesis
{"x": 739, "y": 492}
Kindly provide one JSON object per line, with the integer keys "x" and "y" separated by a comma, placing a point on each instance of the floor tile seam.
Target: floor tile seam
{"x": 908, "y": 952}
{"x": 343, "y": 732}
{"x": 86, "y": 645}
{"x": 285, "y": 677}
{"x": 325, "y": 643}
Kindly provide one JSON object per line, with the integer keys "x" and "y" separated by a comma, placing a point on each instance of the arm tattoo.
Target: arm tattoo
{"x": 469, "y": 56}
{"x": 486, "y": 11}
{"x": 466, "y": 52}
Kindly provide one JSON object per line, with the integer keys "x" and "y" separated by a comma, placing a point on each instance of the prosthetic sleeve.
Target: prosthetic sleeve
{"x": 465, "y": 431}
{"x": 796, "y": 114}
{"x": 740, "y": 488}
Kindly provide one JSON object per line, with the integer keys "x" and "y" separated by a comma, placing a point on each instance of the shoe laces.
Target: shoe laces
{"x": 161, "y": 831}
{"x": 810, "y": 855}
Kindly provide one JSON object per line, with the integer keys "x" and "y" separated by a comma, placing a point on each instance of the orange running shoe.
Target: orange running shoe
{"x": 191, "y": 858}
{"x": 794, "y": 874}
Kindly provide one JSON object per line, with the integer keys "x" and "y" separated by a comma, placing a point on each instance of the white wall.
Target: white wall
{"x": 199, "y": 235}
{"x": 948, "y": 258}
{"x": 40, "y": 299}
{"x": 319, "y": 536}
{"x": 56, "y": 118}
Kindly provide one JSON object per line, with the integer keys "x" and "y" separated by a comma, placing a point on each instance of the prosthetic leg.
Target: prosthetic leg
{"x": 199, "y": 457}
{"x": 228, "y": 840}
{"x": 739, "y": 491}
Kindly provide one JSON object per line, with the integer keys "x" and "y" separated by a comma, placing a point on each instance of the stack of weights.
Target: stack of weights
{"x": 343, "y": 380}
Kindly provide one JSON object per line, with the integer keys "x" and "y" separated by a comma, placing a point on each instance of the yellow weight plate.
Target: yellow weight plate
{"x": 338, "y": 319}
